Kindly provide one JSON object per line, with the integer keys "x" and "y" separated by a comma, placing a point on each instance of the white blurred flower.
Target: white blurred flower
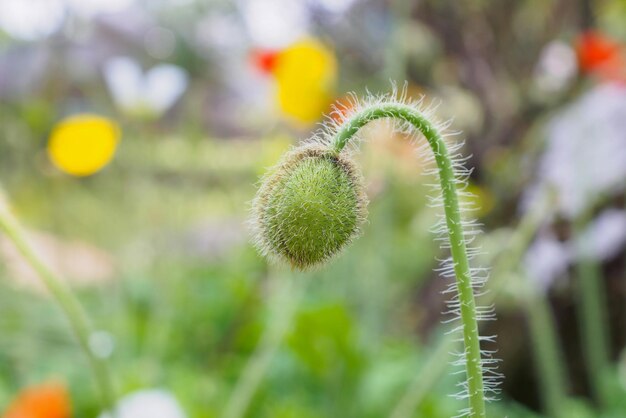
{"x": 604, "y": 237}
{"x": 556, "y": 67}
{"x": 151, "y": 93}
{"x": 548, "y": 258}
{"x": 220, "y": 31}
{"x": 31, "y": 19}
{"x": 585, "y": 156}
{"x": 275, "y": 23}
{"x": 545, "y": 260}
{"x": 149, "y": 403}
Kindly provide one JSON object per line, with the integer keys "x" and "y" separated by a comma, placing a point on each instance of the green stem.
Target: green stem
{"x": 66, "y": 301}
{"x": 501, "y": 275}
{"x": 593, "y": 322}
{"x": 286, "y": 296}
{"x": 434, "y": 366}
{"x": 458, "y": 249}
{"x": 547, "y": 352}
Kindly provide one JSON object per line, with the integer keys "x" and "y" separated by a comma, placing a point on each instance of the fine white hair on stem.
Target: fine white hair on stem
{"x": 355, "y": 107}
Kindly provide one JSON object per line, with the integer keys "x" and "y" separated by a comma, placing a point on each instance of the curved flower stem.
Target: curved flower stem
{"x": 454, "y": 224}
{"x": 66, "y": 300}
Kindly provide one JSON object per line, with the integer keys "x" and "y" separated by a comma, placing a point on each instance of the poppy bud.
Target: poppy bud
{"x": 309, "y": 207}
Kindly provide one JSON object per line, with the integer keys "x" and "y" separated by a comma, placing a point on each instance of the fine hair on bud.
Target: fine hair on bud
{"x": 309, "y": 207}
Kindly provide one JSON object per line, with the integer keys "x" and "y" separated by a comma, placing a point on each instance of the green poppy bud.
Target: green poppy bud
{"x": 309, "y": 207}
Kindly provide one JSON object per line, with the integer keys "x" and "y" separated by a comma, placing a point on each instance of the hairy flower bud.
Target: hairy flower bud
{"x": 309, "y": 207}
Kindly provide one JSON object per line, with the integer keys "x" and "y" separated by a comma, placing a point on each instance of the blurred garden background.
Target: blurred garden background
{"x": 132, "y": 137}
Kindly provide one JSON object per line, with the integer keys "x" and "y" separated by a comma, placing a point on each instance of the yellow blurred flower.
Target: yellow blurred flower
{"x": 83, "y": 144}
{"x": 306, "y": 73}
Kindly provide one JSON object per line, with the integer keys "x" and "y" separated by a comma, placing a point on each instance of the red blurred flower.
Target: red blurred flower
{"x": 601, "y": 55}
{"x": 264, "y": 60}
{"x": 48, "y": 400}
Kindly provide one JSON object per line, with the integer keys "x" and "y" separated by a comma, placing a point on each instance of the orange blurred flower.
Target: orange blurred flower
{"x": 48, "y": 400}
{"x": 601, "y": 55}
{"x": 342, "y": 108}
